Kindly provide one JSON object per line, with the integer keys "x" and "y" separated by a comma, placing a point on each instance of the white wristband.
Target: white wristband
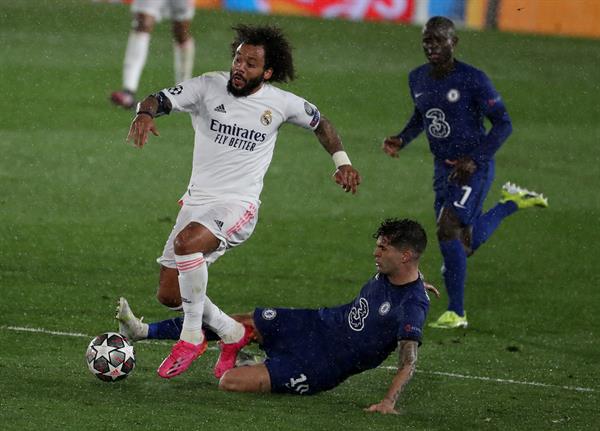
{"x": 340, "y": 158}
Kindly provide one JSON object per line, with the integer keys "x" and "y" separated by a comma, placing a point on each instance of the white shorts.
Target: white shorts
{"x": 231, "y": 222}
{"x": 177, "y": 10}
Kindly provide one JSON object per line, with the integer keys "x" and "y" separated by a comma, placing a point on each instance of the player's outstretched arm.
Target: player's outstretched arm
{"x": 143, "y": 122}
{"x": 345, "y": 175}
{"x": 406, "y": 369}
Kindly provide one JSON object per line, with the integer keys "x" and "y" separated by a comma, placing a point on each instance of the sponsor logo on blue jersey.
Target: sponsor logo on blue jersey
{"x": 358, "y": 314}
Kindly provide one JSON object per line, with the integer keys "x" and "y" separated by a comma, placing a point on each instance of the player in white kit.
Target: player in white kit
{"x": 236, "y": 117}
{"x": 146, "y": 13}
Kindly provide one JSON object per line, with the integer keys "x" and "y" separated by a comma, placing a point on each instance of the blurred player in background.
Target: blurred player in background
{"x": 451, "y": 101}
{"x": 309, "y": 351}
{"x": 146, "y": 13}
{"x": 236, "y": 117}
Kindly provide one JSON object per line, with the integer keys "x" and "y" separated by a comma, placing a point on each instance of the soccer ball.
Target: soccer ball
{"x": 110, "y": 357}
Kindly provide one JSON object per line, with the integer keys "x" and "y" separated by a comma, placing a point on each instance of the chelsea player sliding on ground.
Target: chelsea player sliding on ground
{"x": 451, "y": 99}
{"x": 309, "y": 351}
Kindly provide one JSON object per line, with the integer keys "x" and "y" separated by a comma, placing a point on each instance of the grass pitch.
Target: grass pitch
{"x": 83, "y": 216}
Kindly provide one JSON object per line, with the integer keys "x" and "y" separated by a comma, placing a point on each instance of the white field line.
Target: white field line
{"x": 493, "y": 379}
{"x": 436, "y": 373}
{"x": 79, "y": 335}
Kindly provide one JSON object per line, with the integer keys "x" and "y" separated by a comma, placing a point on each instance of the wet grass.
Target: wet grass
{"x": 82, "y": 217}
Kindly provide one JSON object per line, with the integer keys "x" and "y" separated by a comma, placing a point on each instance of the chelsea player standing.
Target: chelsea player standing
{"x": 451, "y": 99}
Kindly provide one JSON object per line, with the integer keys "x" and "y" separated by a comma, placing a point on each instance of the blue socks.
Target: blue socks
{"x": 171, "y": 328}
{"x": 455, "y": 257}
{"x": 486, "y": 224}
{"x": 455, "y": 264}
{"x": 165, "y": 329}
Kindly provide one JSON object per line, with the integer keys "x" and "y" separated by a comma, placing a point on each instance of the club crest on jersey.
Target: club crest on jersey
{"x": 453, "y": 95}
{"x": 266, "y": 118}
{"x": 176, "y": 90}
{"x": 358, "y": 314}
{"x": 269, "y": 314}
{"x": 384, "y": 308}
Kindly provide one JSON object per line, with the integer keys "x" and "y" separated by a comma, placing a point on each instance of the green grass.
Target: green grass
{"x": 83, "y": 216}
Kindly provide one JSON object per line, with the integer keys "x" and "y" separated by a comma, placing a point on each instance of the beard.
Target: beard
{"x": 247, "y": 89}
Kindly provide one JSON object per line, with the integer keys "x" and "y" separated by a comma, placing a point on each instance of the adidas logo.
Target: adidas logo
{"x": 219, "y": 222}
{"x": 221, "y": 108}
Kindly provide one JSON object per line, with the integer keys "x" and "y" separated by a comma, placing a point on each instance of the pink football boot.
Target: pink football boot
{"x": 229, "y": 352}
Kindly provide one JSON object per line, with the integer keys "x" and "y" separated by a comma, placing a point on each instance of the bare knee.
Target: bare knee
{"x": 181, "y": 31}
{"x": 195, "y": 238}
{"x": 228, "y": 384}
{"x": 253, "y": 378}
{"x": 143, "y": 23}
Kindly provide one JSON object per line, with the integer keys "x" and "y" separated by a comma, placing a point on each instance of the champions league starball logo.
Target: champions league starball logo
{"x": 176, "y": 90}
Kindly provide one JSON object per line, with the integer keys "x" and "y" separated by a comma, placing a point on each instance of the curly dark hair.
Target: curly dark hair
{"x": 403, "y": 233}
{"x": 278, "y": 51}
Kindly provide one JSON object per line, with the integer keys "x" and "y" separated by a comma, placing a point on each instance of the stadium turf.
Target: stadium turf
{"x": 83, "y": 216}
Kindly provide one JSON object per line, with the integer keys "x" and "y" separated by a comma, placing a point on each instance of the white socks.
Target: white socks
{"x": 228, "y": 329}
{"x": 135, "y": 59}
{"x": 193, "y": 277}
{"x": 136, "y": 54}
{"x": 184, "y": 59}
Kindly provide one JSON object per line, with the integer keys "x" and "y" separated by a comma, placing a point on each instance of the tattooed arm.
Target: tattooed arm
{"x": 406, "y": 369}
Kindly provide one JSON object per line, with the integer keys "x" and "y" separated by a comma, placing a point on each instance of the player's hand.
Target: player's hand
{"x": 384, "y": 407}
{"x": 431, "y": 289}
{"x": 347, "y": 177}
{"x": 391, "y": 145}
{"x": 138, "y": 131}
{"x": 463, "y": 169}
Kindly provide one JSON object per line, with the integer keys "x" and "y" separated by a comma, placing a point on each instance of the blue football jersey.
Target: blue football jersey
{"x": 364, "y": 332}
{"x": 451, "y": 111}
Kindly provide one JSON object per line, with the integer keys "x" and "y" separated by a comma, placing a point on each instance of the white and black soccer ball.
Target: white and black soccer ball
{"x": 110, "y": 357}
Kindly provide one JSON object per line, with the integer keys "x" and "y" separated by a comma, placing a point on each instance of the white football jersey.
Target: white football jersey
{"x": 234, "y": 136}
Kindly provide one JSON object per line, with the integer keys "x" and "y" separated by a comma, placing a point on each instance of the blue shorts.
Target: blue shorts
{"x": 298, "y": 357}
{"x": 466, "y": 201}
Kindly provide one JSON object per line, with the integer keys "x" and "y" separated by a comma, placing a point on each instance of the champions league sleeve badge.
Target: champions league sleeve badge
{"x": 309, "y": 109}
{"x": 313, "y": 112}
